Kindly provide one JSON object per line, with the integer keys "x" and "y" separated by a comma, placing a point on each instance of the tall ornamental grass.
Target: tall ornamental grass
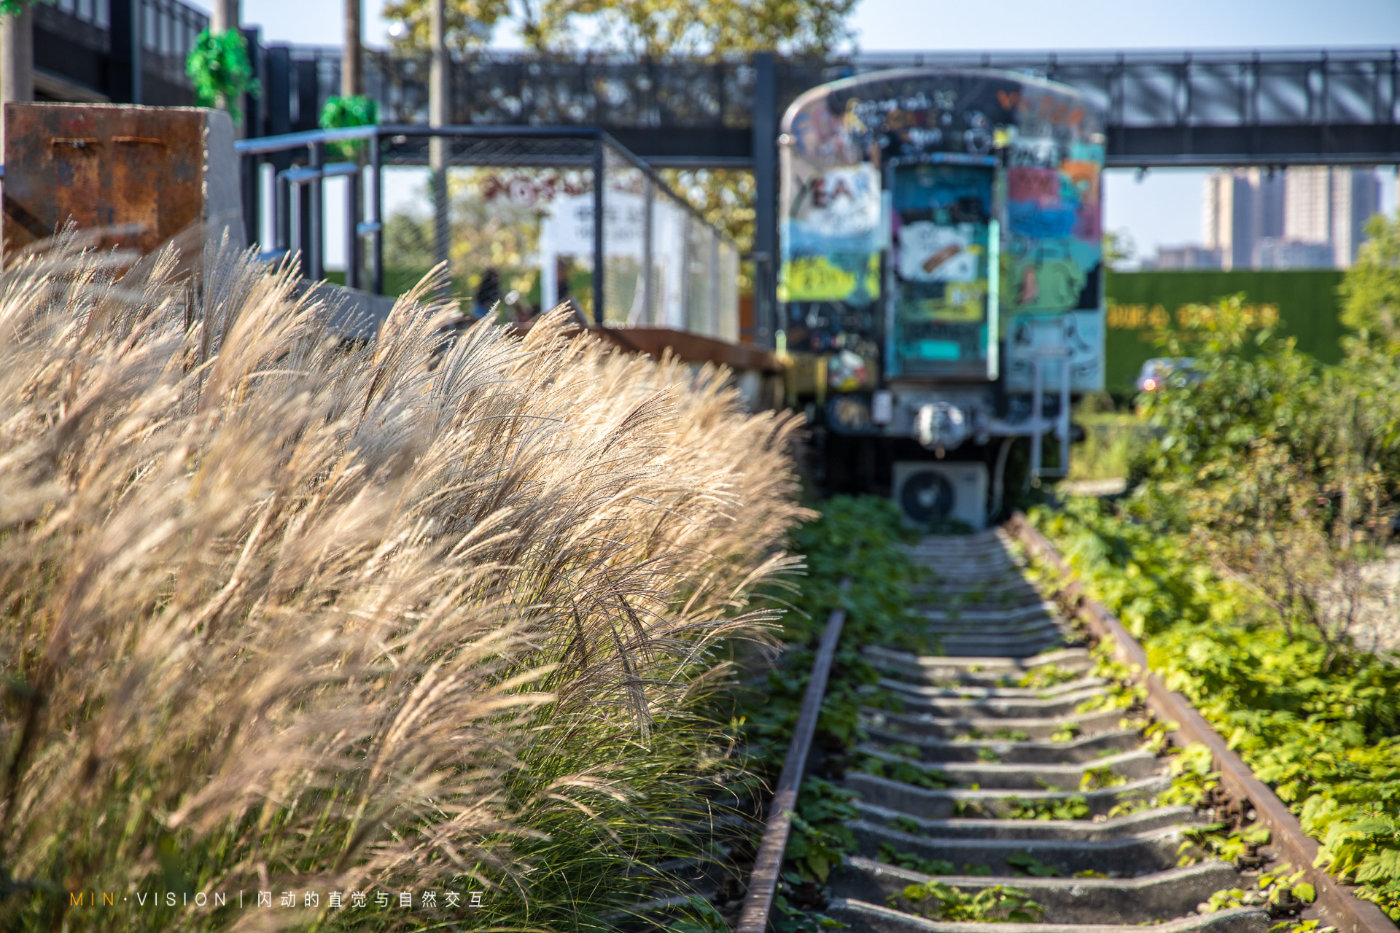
{"x": 430, "y": 615}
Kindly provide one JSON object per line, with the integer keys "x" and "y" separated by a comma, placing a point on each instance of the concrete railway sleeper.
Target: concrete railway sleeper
{"x": 1004, "y": 782}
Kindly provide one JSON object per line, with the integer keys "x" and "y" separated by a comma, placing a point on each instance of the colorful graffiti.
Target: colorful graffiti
{"x": 834, "y": 211}
{"x": 941, "y": 222}
{"x": 982, "y": 191}
{"x": 1054, "y": 247}
{"x": 835, "y": 277}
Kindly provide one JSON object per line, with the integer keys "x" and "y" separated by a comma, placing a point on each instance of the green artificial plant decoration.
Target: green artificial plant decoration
{"x": 341, "y": 112}
{"x": 15, "y": 7}
{"x": 219, "y": 66}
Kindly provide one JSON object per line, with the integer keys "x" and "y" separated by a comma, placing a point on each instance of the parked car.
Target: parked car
{"x": 1164, "y": 370}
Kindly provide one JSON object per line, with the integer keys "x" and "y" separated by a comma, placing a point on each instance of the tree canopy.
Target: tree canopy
{"x": 653, "y": 28}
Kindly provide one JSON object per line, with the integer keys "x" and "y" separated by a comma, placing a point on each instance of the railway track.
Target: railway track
{"x": 1003, "y": 783}
{"x": 1047, "y": 798}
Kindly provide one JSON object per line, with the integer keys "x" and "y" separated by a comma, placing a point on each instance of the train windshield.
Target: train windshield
{"x": 942, "y": 271}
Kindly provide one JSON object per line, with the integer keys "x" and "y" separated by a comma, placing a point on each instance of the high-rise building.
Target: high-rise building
{"x": 1229, "y": 203}
{"x": 1268, "y": 202}
{"x": 1304, "y": 216}
{"x": 1330, "y": 206}
{"x": 1307, "y": 204}
{"x": 1356, "y": 198}
{"x": 1243, "y": 206}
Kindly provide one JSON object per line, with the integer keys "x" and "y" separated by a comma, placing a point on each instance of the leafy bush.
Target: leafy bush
{"x": 1242, "y": 561}
{"x": 1315, "y": 720}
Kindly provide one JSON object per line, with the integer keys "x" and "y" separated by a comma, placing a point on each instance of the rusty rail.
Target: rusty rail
{"x": 768, "y": 863}
{"x": 1336, "y": 905}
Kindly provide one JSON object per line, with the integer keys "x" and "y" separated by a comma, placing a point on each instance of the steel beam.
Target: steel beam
{"x": 765, "y": 176}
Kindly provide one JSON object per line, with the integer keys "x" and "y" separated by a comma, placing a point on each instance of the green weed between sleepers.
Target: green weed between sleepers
{"x": 1312, "y": 718}
{"x": 857, "y": 538}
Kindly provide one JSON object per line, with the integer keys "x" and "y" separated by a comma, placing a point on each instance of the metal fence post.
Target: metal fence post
{"x": 599, "y": 206}
{"x": 1062, "y": 427}
{"x": 440, "y": 115}
{"x": 281, "y": 213}
{"x": 352, "y": 229}
{"x": 254, "y": 123}
{"x": 316, "y": 260}
{"x": 125, "y": 62}
{"x": 1037, "y": 414}
{"x": 649, "y": 303}
{"x": 277, "y": 99}
{"x": 308, "y": 96}
{"x": 376, "y": 207}
{"x": 712, "y": 327}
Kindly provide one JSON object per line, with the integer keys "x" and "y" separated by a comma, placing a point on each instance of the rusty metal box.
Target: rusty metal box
{"x": 136, "y": 176}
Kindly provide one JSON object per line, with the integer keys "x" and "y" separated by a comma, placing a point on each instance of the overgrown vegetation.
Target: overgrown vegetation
{"x": 1281, "y": 891}
{"x": 857, "y": 539}
{"x": 938, "y": 900}
{"x": 1111, "y": 439}
{"x": 425, "y": 616}
{"x": 1246, "y": 561}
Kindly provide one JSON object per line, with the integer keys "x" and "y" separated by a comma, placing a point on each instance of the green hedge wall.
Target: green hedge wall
{"x": 1142, "y": 305}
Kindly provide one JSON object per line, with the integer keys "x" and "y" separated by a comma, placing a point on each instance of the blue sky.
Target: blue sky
{"x": 1161, "y": 209}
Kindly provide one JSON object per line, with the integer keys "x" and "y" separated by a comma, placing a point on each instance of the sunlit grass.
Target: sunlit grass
{"x": 284, "y": 615}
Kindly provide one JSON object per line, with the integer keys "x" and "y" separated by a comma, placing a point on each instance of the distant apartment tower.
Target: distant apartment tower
{"x": 1228, "y": 202}
{"x": 1329, "y": 207}
{"x": 1269, "y": 199}
{"x": 1242, "y": 207}
{"x": 1303, "y": 216}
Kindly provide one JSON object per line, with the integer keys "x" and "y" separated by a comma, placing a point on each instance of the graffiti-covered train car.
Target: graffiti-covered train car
{"x": 941, "y": 274}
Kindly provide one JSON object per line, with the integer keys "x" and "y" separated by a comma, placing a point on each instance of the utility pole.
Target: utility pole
{"x": 439, "y": 114}
{"x": 352, "y": 71}
{"x": 223, "y": 16}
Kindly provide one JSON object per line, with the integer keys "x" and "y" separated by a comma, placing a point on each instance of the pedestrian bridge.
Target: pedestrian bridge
{"x": 1163, "y": 108}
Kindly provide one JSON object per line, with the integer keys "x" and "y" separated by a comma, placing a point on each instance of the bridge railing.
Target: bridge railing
{"x": 1210, "y": 108}
{"x": 1206, "y": 88}
{"x": 1218, "y": 107}
{"x": 1133, "y": 89}
{"x": 554, "y": 213}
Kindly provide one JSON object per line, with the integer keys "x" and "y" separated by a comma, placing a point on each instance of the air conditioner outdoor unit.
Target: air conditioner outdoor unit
{"x": 932, "y": 492}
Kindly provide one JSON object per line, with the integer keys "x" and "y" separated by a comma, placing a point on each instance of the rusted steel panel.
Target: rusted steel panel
{"x": 1336, "y": 904}
{"x": 694, "y": 348}
{"x": 133, "y": 174}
